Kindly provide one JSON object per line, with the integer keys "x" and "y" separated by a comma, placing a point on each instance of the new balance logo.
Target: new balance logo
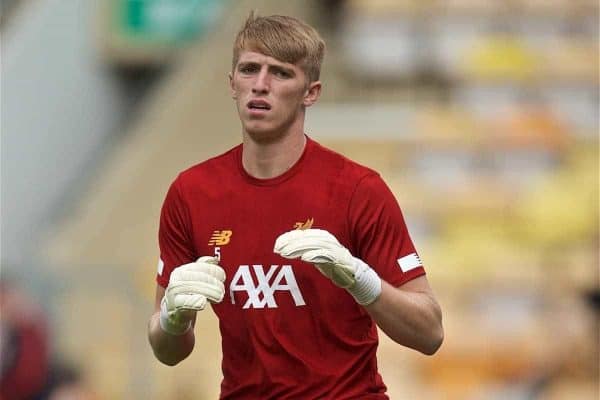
{"x": 263, "y": 294}
{"x": 220, "y": 238}
{"x": 304, "y": 225}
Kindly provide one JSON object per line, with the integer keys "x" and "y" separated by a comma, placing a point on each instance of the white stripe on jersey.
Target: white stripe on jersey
{"x": 161, "y": 265}
{"x": 409, "y": 262}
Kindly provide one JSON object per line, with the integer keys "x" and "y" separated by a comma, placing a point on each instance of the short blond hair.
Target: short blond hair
{"x": 285, "y": 38}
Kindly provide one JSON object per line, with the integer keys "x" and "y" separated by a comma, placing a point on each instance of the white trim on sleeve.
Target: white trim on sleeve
{"x": 409, "y": 262}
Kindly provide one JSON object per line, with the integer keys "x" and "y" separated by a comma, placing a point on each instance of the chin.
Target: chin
{"x": 262, "y": 133}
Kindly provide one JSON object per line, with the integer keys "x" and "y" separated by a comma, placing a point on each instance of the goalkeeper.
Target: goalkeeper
{"x": 300, "y": 252}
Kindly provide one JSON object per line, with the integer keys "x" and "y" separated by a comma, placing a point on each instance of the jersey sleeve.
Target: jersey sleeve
{"x": 174, "y": 235}
{"x": 379, "y": 234}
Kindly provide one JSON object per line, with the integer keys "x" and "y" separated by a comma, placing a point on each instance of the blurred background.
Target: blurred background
{"x": 481, "y": 115}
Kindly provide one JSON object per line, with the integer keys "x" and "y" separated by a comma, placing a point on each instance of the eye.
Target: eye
{"x": 280, "y": 73}
{"x": 248, "y": 68}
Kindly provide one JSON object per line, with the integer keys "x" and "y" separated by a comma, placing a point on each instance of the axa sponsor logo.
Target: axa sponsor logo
{"x": 220, "y": 238}
{"x": 262, "y": 294}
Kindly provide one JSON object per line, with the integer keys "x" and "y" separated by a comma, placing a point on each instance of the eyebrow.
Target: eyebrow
{"x": 271, "y": 67}
{"x": 247, "y": 64}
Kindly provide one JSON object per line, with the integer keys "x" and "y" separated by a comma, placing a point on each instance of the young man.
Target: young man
{"x": 300, "y": 251}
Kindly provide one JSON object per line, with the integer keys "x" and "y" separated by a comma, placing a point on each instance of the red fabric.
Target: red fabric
{"x": 320, "y": 343}
{"x": 28, "y": 371}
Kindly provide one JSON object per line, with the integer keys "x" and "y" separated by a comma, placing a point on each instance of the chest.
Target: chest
{"x": 241, "y": 226}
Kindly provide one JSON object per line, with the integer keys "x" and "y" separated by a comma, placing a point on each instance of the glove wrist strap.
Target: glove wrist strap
{"x": 367, "y": 288}
{"x": 170, "y": 326}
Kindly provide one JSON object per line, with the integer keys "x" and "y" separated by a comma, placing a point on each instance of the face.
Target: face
{"x": 270, "y": 95}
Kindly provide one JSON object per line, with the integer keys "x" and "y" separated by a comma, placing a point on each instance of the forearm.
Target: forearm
{"x": 412, "y": 319}
{"x": 169, "y": 349}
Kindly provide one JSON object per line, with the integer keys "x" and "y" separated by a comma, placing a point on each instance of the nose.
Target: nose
{"x": 262, "y": 82}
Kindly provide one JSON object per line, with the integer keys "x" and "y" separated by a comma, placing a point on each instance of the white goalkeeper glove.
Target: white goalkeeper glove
{"x": 322, "y": 249}
{"x": 190, "y": 287}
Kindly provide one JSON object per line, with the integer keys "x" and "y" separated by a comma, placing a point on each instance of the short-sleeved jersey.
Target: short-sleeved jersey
{"x": 287, "y": 331}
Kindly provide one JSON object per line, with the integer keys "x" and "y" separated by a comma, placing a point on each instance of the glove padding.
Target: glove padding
{"x": 190, "y": 287}
{"x": 321, "y": 248}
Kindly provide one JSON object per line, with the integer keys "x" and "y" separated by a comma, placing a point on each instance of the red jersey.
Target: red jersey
{"x": 287, "y": 331}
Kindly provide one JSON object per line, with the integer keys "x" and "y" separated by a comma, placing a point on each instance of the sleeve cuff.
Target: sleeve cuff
{"x": 408, "y": 276}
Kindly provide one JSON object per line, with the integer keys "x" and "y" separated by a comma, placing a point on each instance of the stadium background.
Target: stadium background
{"x": 481, "y": 115}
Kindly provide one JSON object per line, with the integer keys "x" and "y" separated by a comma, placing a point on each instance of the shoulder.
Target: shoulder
{"x": 212, "y": 169}
{"x": 344, "y": 168}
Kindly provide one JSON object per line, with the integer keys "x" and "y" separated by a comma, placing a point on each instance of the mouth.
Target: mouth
{"x": 258, "y": 105}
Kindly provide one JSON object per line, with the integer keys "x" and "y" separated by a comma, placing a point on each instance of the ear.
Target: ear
{"x": 312, "y": 93}
{"x": 231, "y": 86}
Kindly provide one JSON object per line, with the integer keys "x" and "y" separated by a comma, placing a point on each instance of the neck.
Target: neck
{"x": 264, "y": 160}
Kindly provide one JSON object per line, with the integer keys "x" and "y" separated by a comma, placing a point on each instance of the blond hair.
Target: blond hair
{"x": 285, "y": 38}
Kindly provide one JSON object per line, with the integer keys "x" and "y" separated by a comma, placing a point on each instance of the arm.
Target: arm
{"x": 184, "y": 287}
{"x": 169, "y": 349}
{"x": 409, "y": 315}
{"x": 406, "y": 309}
{"x": 191, "y": 287}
